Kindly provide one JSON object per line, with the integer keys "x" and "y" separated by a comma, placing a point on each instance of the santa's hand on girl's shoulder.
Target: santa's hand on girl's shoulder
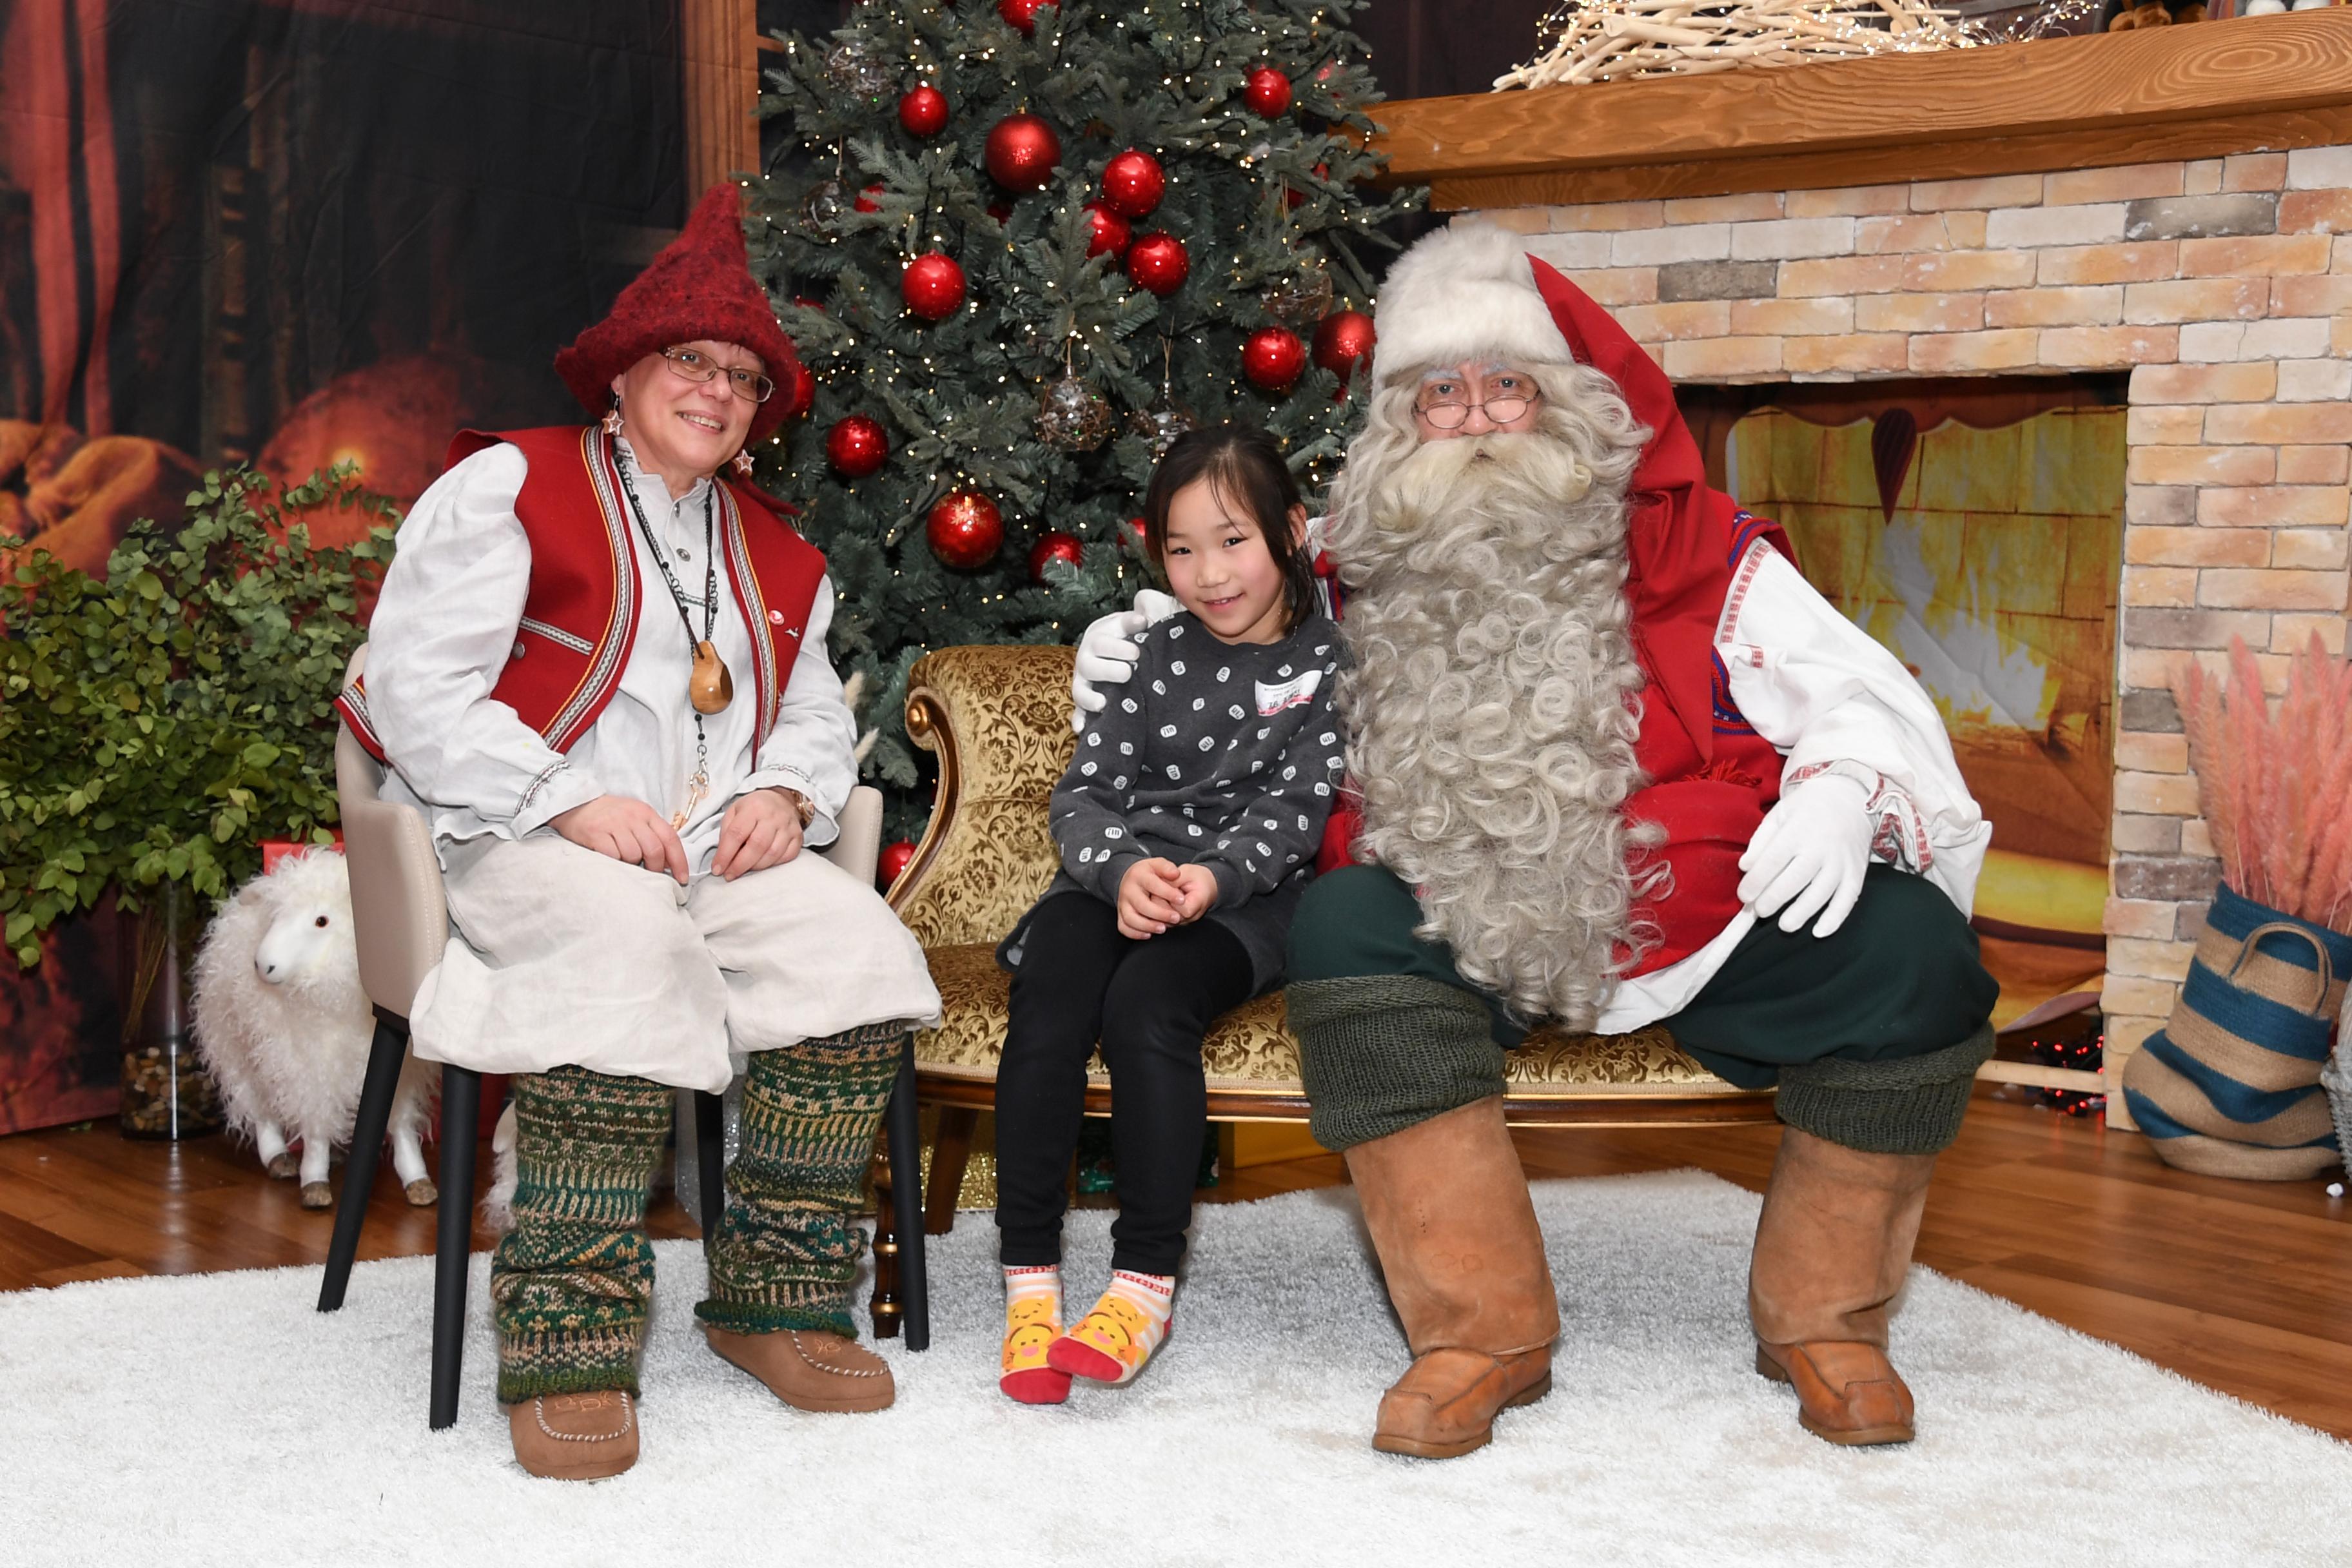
{"x": 1108, "y": 652}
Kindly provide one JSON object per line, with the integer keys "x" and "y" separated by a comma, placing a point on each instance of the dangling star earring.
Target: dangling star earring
{"x": 611, "y": 420}
{"x": 741, "y": 464}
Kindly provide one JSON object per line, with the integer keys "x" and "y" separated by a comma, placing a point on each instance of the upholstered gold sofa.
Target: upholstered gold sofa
{"x": 998, "y": 719}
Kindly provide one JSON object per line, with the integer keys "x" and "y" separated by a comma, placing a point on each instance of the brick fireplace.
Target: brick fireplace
{"x": 2218, "y": 279}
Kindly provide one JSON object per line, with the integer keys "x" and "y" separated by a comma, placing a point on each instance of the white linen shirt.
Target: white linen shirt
{"x": 443, "y": 631}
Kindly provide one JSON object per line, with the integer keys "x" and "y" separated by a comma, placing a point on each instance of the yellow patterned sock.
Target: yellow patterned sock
{"x": 1032, "y": 1320}
{"x": 1111, "y": 1343}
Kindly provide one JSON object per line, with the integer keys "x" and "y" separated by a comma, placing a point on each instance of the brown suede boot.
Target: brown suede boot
{"x": 574, "y": 1437}
{"x": 1447, "y": 1205}
{"x": 1831, "y": 1248}
{"x": 810, "y": 1369}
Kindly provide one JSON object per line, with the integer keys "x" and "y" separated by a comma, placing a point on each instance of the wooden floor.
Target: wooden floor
{"x": 2244, "y": 1286}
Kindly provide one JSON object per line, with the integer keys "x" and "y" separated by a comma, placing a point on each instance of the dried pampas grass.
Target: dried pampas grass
{"x": 2276, "y": 787}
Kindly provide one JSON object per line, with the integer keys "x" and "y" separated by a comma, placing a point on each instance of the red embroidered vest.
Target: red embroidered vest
{"x": 580, "y": 615}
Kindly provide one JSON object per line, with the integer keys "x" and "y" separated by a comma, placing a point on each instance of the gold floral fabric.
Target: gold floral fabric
{"x": 999, "y": 720}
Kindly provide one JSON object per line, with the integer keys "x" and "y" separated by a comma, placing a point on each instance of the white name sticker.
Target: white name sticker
{"x": 1289, "y": 694}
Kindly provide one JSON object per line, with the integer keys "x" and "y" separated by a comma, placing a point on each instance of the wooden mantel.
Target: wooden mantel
{"x": 2194, "y": 91}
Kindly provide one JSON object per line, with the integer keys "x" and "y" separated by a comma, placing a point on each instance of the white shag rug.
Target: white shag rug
{"x": 217, "y": 1419}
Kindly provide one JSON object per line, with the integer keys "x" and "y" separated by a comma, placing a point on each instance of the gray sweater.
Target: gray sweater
{"x": 1221, "y": 754}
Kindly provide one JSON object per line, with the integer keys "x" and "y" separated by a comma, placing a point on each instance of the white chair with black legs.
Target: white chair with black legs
{"x": 400, "y": 919}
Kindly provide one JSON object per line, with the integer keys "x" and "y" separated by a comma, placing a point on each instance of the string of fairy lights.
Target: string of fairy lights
{"x": 868, "y": 71}
{"x": 889, "y": 184}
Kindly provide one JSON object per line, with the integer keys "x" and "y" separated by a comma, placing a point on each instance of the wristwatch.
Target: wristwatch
{"x": 801, "y": 803}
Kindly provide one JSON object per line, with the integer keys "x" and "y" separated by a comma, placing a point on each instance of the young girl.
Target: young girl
{"x": 1188, "y": 824}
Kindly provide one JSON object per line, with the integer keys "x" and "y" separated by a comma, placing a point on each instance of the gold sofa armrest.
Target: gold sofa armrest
{"x": 998, "y": 718}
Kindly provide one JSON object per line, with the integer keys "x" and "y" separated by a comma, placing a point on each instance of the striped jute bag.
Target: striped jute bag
{"x": 2230, "y": 1086}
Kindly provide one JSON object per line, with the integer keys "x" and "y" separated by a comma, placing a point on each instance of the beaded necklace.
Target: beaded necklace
{"x": 709, "y": 687}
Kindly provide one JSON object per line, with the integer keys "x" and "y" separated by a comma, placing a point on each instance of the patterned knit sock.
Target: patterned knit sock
{"x": 1111, "y": 1343}
{"x": 786, "y": 1250}
{"x": 1032, "y": 1320}
{"x": 569, "y": 1283}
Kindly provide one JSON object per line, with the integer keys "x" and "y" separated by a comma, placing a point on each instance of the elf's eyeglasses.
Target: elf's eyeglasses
{"x": 697, "y": 366}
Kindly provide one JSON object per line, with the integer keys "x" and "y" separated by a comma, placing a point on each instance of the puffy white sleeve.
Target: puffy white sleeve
{"x": 1825, "y": 694}
{"x": 442, "y": 630}
{"x": 813, "y": 747}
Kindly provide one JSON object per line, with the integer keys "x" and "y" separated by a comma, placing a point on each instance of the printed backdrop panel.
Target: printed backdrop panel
{"x": 1979, "y": 538}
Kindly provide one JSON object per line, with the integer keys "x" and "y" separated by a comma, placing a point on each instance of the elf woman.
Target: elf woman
{"x": 598, "y": 668}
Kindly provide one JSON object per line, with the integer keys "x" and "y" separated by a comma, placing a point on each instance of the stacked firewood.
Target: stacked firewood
{"x": 1610, "y": 40}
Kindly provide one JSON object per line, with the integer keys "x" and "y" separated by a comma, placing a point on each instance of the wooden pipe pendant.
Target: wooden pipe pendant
{"x": 711, "y": 687}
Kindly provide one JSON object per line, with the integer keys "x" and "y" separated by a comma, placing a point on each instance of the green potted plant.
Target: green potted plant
{"x": 157, "y": 724}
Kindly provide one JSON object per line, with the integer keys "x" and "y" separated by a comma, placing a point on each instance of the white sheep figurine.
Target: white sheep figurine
{"x": 278, "y": 1011}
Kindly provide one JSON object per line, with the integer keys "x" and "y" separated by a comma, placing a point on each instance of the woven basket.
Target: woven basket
{"x": 2231, "y": 1085}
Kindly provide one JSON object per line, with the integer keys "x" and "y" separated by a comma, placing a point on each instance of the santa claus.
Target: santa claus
{"x": 1615, "y": 763}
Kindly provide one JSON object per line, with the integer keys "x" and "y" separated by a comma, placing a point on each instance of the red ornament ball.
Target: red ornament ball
{"x": 933, "y": 286}
{"x": 924, "y": 112}
{"x": 965, "y": 529}
{"x": 857, "y": 445}
{"x": 1342, "y": 342}
{"x": 1108, "y": 231}
{"x": 1133, "y": 183}
{"x": 1022, "y": 15}
{"x": 892, "y": 863}
{"x": 1053, "y": 545}
{"x": 865, "y": 202}
{"x": 1268, "y": 93}
{"x": 1022, "y": 152}
{"x": 798, "y": 390}
{"x": 1000, "y": 212}
{"x": 1158, "y": 262}
{"x": 1272, "y": 358}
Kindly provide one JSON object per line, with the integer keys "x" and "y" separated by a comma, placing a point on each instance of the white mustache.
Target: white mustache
{"x": 1514, "y": 473}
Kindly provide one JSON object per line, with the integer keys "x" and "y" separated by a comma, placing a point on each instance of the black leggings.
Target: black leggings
{"x": 1150, "y": 1004}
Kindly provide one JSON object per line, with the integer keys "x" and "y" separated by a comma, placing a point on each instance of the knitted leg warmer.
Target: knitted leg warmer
{"x": 570, "y": 1283}
{"x": 1910, "y": 1105}
{"x": 1380, "y": 1053}
{"x": 787, "y": 1248}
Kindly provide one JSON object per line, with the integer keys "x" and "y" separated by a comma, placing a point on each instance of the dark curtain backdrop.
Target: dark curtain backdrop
{"x": 291, "y": 231}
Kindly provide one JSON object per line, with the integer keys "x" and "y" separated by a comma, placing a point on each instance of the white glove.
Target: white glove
{"x": 1810, "y": 855}
{"x": 1108, "y": 652}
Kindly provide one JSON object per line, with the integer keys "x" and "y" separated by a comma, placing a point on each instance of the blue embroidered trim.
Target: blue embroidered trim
{"x": 1746, "y": 528}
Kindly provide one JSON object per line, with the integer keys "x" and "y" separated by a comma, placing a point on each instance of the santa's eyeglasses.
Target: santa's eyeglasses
{"x": 697, "y": 366}
{"x": 1447, "y": 406}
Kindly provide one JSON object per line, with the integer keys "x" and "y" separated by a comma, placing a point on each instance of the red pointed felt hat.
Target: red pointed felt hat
{"x": 699, "y": 288}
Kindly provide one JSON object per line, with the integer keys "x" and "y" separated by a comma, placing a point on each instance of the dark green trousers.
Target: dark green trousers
{"x": 1873, "y": 1034}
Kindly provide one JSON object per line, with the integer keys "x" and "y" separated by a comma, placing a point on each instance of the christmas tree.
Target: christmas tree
{"x": 1027, "y": 246}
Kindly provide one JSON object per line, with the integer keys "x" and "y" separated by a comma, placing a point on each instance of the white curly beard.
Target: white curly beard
{"x": 1490, "y": 707}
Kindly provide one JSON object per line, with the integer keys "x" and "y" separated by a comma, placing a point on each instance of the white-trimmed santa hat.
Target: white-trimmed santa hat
{"x": 1465, "y": 292}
